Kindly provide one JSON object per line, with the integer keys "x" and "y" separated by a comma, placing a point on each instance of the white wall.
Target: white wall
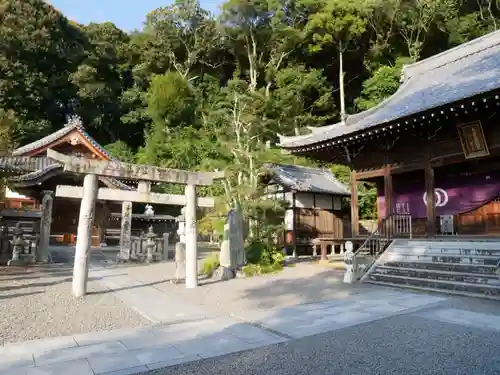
{"x": 326, "y": 202}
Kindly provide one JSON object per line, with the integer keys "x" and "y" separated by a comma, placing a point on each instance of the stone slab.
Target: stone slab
{"x": 173, "y": 362}
{"x": 78, "y": 367}
{"x": 465, "y": 318}
{"x": 157, "y": 354}
{"x": 254, "y": 335}
{"x": 211, "y": 345}
{"x": 128, "y": 371}
{"x": 122, "y": 335}
{"x": 111, "y": 363}
{"x": 63, "y": 355}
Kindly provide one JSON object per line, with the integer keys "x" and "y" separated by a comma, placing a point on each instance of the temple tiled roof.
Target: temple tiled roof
{"x": 73, "y": 124}
{"x": 462, "y": 72}
{"x": 306, "y": 179}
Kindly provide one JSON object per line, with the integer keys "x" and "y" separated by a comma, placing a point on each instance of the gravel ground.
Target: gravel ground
{"x": 403, "y": 344}
{"x": 36, "y": 302}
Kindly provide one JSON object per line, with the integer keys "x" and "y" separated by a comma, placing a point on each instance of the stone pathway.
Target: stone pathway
{"x": 154, "y": 304}
{"x": 130, "y": 351}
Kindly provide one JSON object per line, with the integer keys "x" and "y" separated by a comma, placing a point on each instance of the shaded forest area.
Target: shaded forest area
{"x": 200, "y": 92}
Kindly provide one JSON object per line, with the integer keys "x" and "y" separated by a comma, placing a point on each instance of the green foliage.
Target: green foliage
{"x": 193, "y": 91}
{"x": 121, "y": 151}
{"x": 210, "y": 264}
{"x": 382, "y": 84}
{"x": 263, "y": 258}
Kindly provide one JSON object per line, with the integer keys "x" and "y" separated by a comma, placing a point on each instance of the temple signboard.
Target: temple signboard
{"x": 472, "y": 139}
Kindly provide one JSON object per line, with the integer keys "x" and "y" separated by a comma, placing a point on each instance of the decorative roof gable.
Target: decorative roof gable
{"x": 73, "y": 132}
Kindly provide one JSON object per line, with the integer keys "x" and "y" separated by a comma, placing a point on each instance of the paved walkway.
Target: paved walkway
{"x": 131, "y": 351}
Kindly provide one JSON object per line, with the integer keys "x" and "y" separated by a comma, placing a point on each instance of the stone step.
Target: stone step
{"x": 454, "y": 267}
{"x": 436, "y": 274}
{"x": 445, "y": 251}
{"x": 446, "y": 244}
{"x": 445, "y": 285}
{"x": 485, "y": 259}
{"x": 435, "y": 290}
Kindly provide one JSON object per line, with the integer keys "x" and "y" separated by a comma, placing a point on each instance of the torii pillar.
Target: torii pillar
{"x": 146, "y": 174}
{"x": 191, "y": 240}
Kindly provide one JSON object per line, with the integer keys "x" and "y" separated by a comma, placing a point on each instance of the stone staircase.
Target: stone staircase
{"x": 449, "y": 266}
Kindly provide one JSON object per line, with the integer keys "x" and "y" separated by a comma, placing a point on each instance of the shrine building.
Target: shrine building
{"x": 31, "y": 174}
{"x": 432, "y": 149}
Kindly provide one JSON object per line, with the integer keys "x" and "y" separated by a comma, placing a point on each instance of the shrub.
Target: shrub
{"x": 210, "y": 264}
{"x": 263, "y": 258}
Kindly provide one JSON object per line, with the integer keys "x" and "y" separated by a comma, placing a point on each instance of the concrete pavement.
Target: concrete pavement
{"x": 131, "y": 351}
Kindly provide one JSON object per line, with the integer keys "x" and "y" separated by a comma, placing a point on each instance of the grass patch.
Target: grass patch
{"x": 210, "y": 264}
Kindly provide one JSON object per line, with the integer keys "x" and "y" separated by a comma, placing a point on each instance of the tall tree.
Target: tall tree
{"x": 38, "y": 52}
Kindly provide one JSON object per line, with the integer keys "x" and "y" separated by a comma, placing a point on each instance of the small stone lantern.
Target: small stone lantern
{"x": 17, "y": 246}
{"x": 150, "y": 244}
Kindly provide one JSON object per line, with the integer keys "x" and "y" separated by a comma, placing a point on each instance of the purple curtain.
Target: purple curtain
{"x": 454, "y": 193}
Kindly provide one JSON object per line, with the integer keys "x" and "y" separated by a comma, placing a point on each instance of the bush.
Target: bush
{"x": 210, "y": 264}
{"x": 263, "y": 258}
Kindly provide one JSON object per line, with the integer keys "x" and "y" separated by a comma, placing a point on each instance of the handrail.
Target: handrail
{"x": 371, "y": 236}
{"x": 398, "y": 224}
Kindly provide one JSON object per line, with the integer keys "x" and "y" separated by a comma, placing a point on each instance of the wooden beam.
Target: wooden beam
{"x": 354, "y": 205}
{"x": 388, "y": 193}
{"x": 118, "y": 195}
{"x": 430, "y": 198}
{"x": 130, "y": 171}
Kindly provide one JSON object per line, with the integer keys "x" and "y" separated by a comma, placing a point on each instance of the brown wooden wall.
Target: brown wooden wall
{"x": 312, "y": 223}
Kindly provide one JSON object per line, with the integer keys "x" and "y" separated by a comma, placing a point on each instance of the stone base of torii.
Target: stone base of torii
{"x": 145, "y": 174}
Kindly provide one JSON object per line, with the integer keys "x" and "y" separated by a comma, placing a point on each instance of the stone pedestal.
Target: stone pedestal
{"x": 191, "y": 240}
{"x": 84, "y": 240}
{"x": 42, "y": 254}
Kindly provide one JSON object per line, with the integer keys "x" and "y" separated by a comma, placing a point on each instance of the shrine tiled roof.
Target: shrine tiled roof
{"x": 73, "y": 124}
{"x": 460, "y": 73}
{"x": 305, "y": 179}
{"x": 26, "y": 171}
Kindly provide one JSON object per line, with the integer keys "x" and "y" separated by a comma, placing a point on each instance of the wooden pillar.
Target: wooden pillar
{"x": 45, "y": 224}
{"x": 388, "y": 194}
{"x": 84, "y": 240}
{"x": 430, "y": 197}
{"x": 191, "y": 240}
{"x": 354, "y": 205}
{"x": 294, "y": 230}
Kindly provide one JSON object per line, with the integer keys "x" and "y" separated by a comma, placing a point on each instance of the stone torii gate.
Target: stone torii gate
{"x": 145, "y": 175}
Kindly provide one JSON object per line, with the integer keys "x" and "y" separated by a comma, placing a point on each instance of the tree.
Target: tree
{"x": 39, "y": 50}
{"x": 183, "y": 36}
{"x": 384, "y": 82}
{"x": 101, "y": 79}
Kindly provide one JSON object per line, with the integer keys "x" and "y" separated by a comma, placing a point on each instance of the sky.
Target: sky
{"x": 125, "y": 14}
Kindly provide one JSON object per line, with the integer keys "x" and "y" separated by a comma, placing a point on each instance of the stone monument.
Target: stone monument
{"x": 232, "y": 253}
{"x": 349, "y": 263}
{"x": 180, "y": 250}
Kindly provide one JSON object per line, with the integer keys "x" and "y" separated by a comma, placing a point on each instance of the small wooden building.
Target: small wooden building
{"x": 432, "y": 148}
{"x": 317, "y": 206}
